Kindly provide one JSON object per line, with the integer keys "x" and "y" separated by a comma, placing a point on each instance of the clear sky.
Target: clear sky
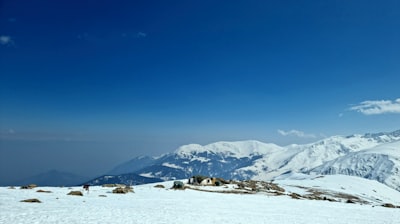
{"x": 85, "y": 85}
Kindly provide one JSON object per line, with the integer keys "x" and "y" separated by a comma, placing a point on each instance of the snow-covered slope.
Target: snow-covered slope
{"x": 303, "y": 158}
{"x": 156, "y": 205}
{"x": 380, "y": 163}
{"x": 370, "y": 191}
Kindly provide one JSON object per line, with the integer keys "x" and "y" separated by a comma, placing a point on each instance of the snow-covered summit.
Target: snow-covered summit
{"x": 334, "y": 144}
{"x": 238, "y": 149}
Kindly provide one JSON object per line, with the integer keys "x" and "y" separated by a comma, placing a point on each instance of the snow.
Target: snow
{"x": 380, "y": 163}
{"x": 170, "y": 165}
{"x": 277, "y": 160}
{"x": 200, "y": 159}
{"x": 156, "y": 205}
{"x": 239, "y": 149}
{"x": 351, "y": 155}
{"x": 149, "y": 175}
{"x": 392, "y": 149}
{"x": 369, "y": 190}
{"x": 372, "y": 156}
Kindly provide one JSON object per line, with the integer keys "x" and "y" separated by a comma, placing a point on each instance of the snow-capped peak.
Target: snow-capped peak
{"x": 238, "y": 149}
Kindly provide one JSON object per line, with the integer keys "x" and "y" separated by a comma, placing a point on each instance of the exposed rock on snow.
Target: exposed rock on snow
{"x": 30, "y": 186}
{"x": 33, "y": 200}
{"x": 122, "y": 190}
{"x": 76, "y": 193}
{"x": 43, "y": 191}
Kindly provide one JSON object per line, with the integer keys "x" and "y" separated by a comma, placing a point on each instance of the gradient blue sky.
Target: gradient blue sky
{"x": 93, "y": 83}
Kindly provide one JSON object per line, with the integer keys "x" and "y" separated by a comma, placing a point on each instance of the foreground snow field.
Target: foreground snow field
{"x": 158, "y": 205}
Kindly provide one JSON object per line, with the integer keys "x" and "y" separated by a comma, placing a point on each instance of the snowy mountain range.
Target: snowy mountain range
{"x": 371, "y": 156}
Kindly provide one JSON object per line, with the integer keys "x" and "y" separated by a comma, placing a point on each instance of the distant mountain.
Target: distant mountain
{"x": 220, "y": 159}
{"x": 371, "y": 156}
{"x": 304, "y": 158}
{"x": 132, "y": 165}
{"x": 52, "y": 178}
{"x": 127, "y": 179}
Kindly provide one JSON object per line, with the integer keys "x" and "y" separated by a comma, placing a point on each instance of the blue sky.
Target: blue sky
{"x": 119, "y": 79}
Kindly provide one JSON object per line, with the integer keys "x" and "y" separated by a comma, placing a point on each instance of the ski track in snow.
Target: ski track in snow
{"x": 154, "y": 205}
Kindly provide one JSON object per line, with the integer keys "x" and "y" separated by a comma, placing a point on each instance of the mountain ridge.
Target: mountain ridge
{"x": 253, "y": 159}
